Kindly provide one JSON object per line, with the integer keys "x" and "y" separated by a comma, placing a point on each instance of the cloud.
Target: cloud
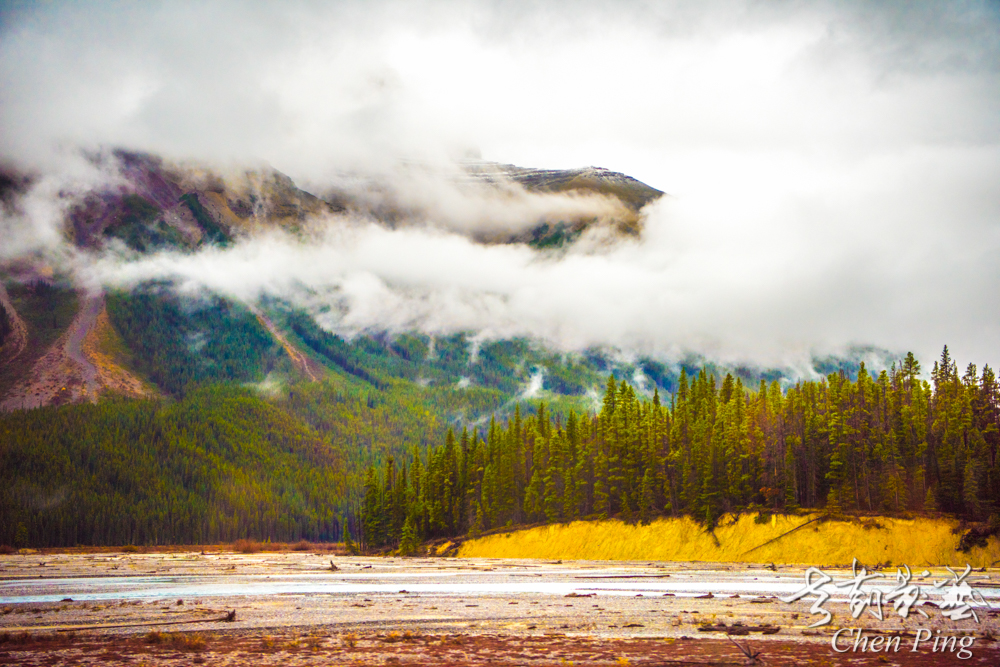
{"x": 491, "y": 207}
{"x": 833, "y": 167}
{"x": 35, "y": 221}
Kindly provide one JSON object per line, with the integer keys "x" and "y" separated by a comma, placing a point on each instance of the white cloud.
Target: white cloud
{"x": 833, "y": 167}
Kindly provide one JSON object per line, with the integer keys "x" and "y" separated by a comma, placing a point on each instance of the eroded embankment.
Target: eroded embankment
{"x": 915, "y": 542}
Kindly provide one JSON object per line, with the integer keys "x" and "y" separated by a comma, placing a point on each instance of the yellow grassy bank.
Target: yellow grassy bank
{"x": 914, "y": 542}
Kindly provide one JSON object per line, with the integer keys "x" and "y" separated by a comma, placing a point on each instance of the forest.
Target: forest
{"x": 5, "y": 325}
{"x": 890, "y": 442}
{"x": 220, "y": 465}
{"x": 409, "y": 438}
{"x": 182, "y": 344}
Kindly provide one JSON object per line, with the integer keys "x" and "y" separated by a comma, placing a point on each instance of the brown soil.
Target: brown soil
{"x": 75, "y": 369}
{"x": 399, "y": 628}
{"x": 254, "y": 547}
{"x": 289, "y": 647}
{"x": 111, "y": 376}
{"x": 54, "y": 379}
{"x": 304, "y": 364}
{"x": 18, "y": 337}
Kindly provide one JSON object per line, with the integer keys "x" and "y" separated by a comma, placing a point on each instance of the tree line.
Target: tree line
{"x": 885, "y": 442}
{"x": 219, "y": 465}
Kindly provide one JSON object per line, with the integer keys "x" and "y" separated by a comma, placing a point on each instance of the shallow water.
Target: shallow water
{"x": 550, "y": 581}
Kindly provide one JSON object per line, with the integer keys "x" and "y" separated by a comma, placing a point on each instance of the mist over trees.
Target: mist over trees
{"x": 890, "y": 443}
{"x": 383, "y": 461}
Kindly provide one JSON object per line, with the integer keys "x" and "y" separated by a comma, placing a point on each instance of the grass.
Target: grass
{"x": 248, "y": 546}
{"x": 193, "y": 641}
{"x": 920, "y": 542}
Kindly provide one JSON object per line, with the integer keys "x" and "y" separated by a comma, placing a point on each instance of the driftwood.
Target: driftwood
{"x": 740, "y": 629}
{"x": 622, "y": 576}
{"x": 782, "y": 535}
{"x": 228, "y": 617}
{"x": 753, "y": 657}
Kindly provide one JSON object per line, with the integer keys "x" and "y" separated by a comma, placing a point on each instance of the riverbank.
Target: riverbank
{"x": 294, "y": 647}
{"x": 783, "y": 539}
{"x": 300, "y": 608}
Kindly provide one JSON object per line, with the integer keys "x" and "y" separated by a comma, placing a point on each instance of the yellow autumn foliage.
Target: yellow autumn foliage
{"x": 917, "y": 542}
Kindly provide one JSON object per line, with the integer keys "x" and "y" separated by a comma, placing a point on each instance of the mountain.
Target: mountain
{"x": 633, "y": 193}
{"x": 159, "y": 204}
{"x": 64, "y": 345}
{"x": 207, "y": 417}
{"x": 151, "y": 341}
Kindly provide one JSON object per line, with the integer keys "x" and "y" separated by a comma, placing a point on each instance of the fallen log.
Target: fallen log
{"x": 622, "y": 576}
{"x": 740, "y": 629}
{"x": 228, "y": 617}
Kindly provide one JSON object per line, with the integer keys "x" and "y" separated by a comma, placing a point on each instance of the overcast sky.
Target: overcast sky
{"x": 833, "y": 167}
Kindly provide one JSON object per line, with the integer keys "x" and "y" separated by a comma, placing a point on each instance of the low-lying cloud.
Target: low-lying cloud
{"x": 834, "y": 168}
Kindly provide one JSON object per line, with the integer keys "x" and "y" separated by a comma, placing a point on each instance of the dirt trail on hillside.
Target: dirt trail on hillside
{"x": 111, "y": 375}
{"x": 65, "y": 373}
{"x": 90, "y": 308}
{"x": 310, "y": 368}
{"x": 18, "y": 337}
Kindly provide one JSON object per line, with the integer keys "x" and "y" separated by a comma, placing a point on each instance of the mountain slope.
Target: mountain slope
{"x": 220, "y": 465}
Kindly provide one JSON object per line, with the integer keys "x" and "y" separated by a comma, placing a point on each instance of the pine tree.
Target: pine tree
{"x": 373, "y": 521}
{"x": 647, "y": 506}
{"x": 477, "y": 525}
{"x": 410, "y": 542}
{"x": 930, "y": 501}
{"x": 349, "y": 546}
{"x": 970, "y": 490}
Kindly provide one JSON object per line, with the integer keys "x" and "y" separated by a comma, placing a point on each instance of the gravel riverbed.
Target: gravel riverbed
{"x": 313, "y": 608}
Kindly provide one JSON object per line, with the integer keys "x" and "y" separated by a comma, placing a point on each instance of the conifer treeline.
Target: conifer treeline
{"x": 888, "y": 443}
{"x": 220, "y": 465}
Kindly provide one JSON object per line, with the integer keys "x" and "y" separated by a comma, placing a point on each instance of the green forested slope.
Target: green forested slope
{"x": 141, "y": 228}
{"x": 888, "y": 443}
{"x": 47, "y": 310}
{"x": 183, "y": 343}
{"x": 5, "y": 325}
{"x": 502, "y": 365}
{"x": 411, "y": 436}
{"x": 219, "y": 465}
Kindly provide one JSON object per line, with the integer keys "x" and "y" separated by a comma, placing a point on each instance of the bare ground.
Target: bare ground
{"x": 18, "y": 337}
{"x": 111, "y": 376}
{"x": 73, "y": 369}
{"x": 304, "y": 364}
{"x": 389, "y": 625}
{"x": 287, "y": 647}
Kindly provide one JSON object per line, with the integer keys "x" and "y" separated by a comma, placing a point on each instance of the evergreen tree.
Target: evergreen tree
{"x": 410, "y": 542}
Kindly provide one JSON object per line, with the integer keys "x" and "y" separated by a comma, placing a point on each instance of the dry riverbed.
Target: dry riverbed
{"x": 293, "y": 608}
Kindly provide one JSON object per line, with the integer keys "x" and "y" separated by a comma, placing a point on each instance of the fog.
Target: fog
{"x": 832, "y": 169}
